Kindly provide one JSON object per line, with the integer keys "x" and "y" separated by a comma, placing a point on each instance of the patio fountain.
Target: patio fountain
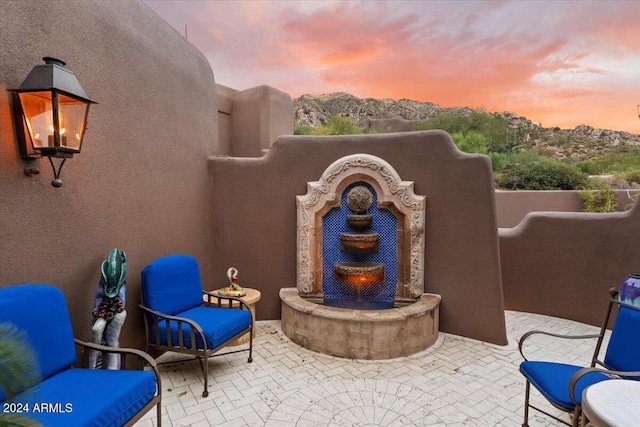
{"x": 360, "y": 265}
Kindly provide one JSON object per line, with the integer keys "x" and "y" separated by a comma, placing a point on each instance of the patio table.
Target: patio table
{"x": 612, "y": 403}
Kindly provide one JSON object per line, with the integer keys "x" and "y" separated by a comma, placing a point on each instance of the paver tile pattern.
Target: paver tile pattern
{"x": 456, "y": 382}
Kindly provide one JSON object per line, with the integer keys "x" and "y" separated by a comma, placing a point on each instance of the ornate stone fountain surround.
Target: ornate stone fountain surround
{"x": 367, "y": 334}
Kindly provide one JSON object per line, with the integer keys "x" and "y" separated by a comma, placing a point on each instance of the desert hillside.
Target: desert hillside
{"x": 582, "y": 142}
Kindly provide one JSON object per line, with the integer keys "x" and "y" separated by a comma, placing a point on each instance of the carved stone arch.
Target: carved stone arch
{"x": 396, "y": 195}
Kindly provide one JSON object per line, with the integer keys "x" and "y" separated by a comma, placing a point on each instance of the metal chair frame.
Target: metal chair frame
{"x": 153, "y": 318}
{"x": 577, "y": 415}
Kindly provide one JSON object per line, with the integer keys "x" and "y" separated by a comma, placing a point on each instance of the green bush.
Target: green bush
{"x": 603, "y": 199}
{"x": 544, "y": 175}
{"x": 611, "y": 163}
{"x": 338, "y": 125}
{"x": 301, "y": 129}
{"x": 471, "y": 142}
{"x": 632, "y": 177}
{"x": 521, "y": 157}
{"x": 498, "y": 160}
{"x": 500, "y": 138}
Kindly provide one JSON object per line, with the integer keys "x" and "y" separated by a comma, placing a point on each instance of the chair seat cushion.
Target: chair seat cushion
{"x": 218, "y": 325}
{"x": 89, "y": 397}
{"x": 552, "y": 380}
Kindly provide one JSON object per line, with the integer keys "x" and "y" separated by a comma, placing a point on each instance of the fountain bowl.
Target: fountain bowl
{"x": 359, "y": 221}
{"x": 357, "y": 273}
{"x": 359, "y": 242}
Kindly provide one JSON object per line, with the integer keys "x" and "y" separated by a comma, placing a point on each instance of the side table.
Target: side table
{"x": 612, "y": 403}
{"x": 251, "y": 298}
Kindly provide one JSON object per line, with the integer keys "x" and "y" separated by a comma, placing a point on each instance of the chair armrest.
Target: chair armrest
{"x": 190, "y": 322}
{"x": 584, "y": 371}
{"x": 241, "y": 303}
{"x": 530, "y": 333}
{"x": 117, "y": 350}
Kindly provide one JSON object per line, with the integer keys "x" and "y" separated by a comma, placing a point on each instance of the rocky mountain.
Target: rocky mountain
{"x": 579, "y": 143}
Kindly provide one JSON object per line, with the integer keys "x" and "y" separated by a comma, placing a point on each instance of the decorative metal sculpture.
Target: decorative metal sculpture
{"x": 233, "y": 290}
{"x": 109, "y": 313}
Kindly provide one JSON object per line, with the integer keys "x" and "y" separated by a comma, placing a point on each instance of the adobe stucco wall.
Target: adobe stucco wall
{"x": 250, "y": 120}
{"x": 254, "y": 220}
{"x": 141, "y": 181}
{"x": 513, "y": 206}
{"x": 562, "y": 264}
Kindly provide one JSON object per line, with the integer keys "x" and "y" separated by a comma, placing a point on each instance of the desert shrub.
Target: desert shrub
{"x": 602, "y": 199}
{"x": 470, "y": 142}
{"x": 611, "y": 163}
{"x": 529, "y": 156}
{"x": 632, "y": 177}
{"x": 544, "y": 175}
{"x": 474, "y": 142}
{"x": 559, "y": 141}
{"x": 451, "y": 123}
{"x": 338, "y": 125}
{"x": 500, "y": 138}
{"x": 498, "y": 160}
{"x": 301, "y": 129}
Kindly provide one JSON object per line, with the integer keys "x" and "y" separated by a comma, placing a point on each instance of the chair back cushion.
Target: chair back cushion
{"x": 41, "y": 312}
{"x": 623, "y": 351}
{"x": 171, "y": 284}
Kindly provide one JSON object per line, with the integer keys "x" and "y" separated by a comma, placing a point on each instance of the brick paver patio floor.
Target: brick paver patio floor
{"x": 456, "y": 382}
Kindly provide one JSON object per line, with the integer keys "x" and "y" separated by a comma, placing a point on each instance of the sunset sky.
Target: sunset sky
{"x": 559, "y": 63}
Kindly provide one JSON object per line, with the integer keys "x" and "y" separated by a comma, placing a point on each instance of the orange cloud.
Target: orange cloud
{"x": 563, "y": 63}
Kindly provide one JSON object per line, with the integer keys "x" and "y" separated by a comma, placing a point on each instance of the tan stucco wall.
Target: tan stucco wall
{"x": 562, "y": 264}
{"x": 250, "y": 120}
{"x": 225, "y": 109}
{"x": 141, "y": 181}
{"x": 259, "y": 115}
{"x": 254, "y": 219}
{"x": 513, "y": 206}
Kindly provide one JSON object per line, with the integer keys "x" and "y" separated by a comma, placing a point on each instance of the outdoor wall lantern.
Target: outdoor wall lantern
{"x": 52, "y": 107}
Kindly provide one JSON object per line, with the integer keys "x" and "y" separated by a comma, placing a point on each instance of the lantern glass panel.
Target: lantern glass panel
{"x": 72, "y": 118}
{"x": 38, "y": 116}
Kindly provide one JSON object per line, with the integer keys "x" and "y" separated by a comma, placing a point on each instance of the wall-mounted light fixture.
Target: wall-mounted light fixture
{"x": 53, "y": 108}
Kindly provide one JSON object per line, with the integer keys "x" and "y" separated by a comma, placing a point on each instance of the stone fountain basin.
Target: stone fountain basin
{"x": 360, "y": 334}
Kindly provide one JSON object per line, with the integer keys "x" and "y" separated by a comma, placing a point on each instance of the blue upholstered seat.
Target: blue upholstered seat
{"x": 89, "y": 397}
{"x": 553, "y": 378}
{"x": 172, "y": 298}
{"x": 562, "y": 384}
{"x": 219, "y": 325}
{"x": 64, "y": 395}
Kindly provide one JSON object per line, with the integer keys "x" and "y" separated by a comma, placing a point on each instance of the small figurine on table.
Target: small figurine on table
{"x": 233, "y": 290}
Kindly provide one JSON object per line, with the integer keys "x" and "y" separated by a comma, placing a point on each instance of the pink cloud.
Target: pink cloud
{"x": 556, "y": 60}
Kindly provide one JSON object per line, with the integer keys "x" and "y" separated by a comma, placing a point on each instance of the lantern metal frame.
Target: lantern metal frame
{"x": 56, "y": 81}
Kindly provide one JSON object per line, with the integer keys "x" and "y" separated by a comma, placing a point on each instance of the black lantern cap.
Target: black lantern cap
{"x": 53, "y": 75}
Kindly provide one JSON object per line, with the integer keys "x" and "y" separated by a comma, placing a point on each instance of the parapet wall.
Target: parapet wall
{"x": 562, "y": 264}
{"x": 513, "y": 206}
{"x": 250, "y": 120}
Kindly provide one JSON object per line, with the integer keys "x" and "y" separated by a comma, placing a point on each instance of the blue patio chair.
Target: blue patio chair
{"x": 562, "y": 384}
{"x": 55, "y": 390}
{"x": 178, "y": 319}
